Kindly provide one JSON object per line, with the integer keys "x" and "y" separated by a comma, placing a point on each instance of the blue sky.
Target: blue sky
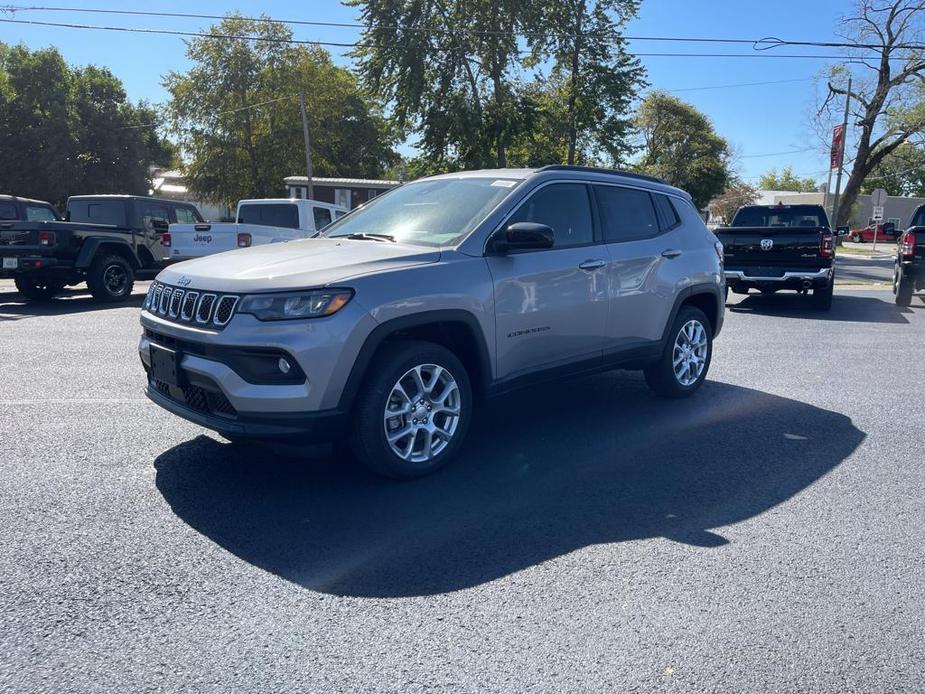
{"x": 757, "y": 120}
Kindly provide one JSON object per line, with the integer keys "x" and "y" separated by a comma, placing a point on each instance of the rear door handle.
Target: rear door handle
{"x": 671, "y": 253}
{"x": 593, "y": 264}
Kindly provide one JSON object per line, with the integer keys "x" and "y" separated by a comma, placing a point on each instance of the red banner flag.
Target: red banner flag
{"x": 838, "y": 146}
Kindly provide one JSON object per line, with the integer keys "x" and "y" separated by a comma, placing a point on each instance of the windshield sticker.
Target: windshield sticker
{"x": 504, "y": 184}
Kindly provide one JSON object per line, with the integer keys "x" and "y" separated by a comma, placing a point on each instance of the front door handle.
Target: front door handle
{"x": 671, "y": 253}
{"x": 593, "y": 264}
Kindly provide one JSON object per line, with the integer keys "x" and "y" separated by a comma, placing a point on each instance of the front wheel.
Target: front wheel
{"x": 111, "y": 278}
{"x": 413, "y": 412}
{"x": 683, "y": 365}
{"x": 37, "y": 289}
{"x": 902, "y": 287}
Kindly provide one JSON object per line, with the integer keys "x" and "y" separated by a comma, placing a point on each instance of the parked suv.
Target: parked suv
{"x": 396, "y": 318}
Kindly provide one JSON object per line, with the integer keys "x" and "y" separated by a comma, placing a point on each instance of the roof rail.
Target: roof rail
{"x": 593, "y": 169}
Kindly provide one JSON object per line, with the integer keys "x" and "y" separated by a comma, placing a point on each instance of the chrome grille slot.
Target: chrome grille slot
{"x": 150, "y": 294}
{"x": 204, "y": 310}
{"x": 225, "y": 309}
{"x": 165, "y": 300}
{"x": 176, "y": 301}
{"x": 156, "y": 296}
{"x": 189, "y": 305}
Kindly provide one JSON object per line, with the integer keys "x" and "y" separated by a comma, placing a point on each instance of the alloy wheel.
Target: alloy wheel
{"x": 422, "y": 413}
{"x": 689, "y": 357}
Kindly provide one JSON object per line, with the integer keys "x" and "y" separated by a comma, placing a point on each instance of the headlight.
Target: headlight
{"x": 311, "y": 304}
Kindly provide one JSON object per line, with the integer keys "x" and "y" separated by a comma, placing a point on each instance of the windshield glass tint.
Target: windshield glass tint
{"x": 429, "y": 213}
{"x": 789, "y": 216}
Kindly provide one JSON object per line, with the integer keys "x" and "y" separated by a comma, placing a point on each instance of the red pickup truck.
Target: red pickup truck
{"x": 886, "y": 231}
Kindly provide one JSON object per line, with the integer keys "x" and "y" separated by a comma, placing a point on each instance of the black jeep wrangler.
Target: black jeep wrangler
{"x": 107, "y": 242}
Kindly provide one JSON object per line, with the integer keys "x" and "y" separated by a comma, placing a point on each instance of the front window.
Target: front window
{"x": 438, "y": 212}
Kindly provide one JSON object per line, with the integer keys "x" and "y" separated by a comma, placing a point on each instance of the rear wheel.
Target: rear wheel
{"x": 902, "y": 287}
{"x": 37, "y": 289}
{"x": 413, "y": 412}
{"x": 822, "y": 296}
{"x": 683, "y": 366}
{"x": 111, "y": 278}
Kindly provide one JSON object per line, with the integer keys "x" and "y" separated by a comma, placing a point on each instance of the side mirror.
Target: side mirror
{"x": 522, "y": 236}
{"x": 159, "y": 225}
{"x": 842, "y": 231}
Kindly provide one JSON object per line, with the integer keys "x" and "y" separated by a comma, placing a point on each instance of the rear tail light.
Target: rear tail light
{"x": 908, "y": 244}
{"x": 244, "y": 240}
{"x": 46, "y": 238}
{"x": 826, "y": 246}
{"x": 166, "y": 239}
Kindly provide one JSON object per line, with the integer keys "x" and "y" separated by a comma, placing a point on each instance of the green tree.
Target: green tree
{"x": 594, "y": 78}
{"x": 787, "y": 180}
{"x": 886, "y": 97}
{"x": 66, "y": 131}
{"x": 730, "y": 200}
{"x": 237, "y": 114}
{"x": 445, "y": 69}
{"x": 680, "y": 146}
{"x": 900, "y": 173}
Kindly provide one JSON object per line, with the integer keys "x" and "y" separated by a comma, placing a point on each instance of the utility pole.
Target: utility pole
{"x": 841, "y": 159}
{"x": 308, "y": 147}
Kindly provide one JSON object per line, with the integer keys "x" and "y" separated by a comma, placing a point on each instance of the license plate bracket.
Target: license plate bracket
{"x": 165, "y": 365}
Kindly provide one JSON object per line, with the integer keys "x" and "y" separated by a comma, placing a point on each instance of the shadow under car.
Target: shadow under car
{"x": 544, "y": 472}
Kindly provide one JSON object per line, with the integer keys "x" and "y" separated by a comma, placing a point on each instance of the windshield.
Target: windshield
{"x": 781, "y": 216}
{"x": 429, "y": 213}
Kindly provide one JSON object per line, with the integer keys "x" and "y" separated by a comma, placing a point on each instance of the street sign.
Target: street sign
{"x": 877, "y": 216}
{"x": 837, "y": 154}
{"x": 878, "y": 198}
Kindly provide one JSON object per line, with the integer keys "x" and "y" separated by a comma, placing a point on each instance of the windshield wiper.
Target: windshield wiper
{"x": 371, "y": 237}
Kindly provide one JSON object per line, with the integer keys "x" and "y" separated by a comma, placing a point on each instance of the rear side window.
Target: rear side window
{"x": 8, "y": 210}
{"x": 40, "y": 213}
{"x": 565, "y": 208}
{"x": 627, "y": 214}
{"x": 270, "y": 215}
{"x": 322, "y": 217}
{"x": 97, "y": 212}
{"x": 667, "y": 214}
{"x": 150, "y": 213}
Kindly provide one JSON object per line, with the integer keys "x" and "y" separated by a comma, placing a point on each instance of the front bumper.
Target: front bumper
{"x": 295, "y": 427}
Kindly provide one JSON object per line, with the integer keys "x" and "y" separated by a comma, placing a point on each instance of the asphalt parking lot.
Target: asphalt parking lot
{"x": 765, "y": 535}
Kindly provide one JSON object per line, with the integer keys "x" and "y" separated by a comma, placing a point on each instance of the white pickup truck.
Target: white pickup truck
{"x": 269, "y": 220}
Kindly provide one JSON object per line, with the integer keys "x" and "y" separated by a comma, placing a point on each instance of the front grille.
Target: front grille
{"x": 204, "y": 312}
{"x": 190, "y": 306}
{"x": 197, "y": 398}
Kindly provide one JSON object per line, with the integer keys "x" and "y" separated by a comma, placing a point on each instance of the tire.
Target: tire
{"x": 37, "y": 290}
{"x": 111, "y": 279}
{"x": 822, "y": 296}
{"x": 388, "y": 388}
{"x": 902, "y": 287}
{"x": 663, "y": 377}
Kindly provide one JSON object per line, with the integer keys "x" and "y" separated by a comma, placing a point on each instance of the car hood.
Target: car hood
{"x": 294, "y": 265}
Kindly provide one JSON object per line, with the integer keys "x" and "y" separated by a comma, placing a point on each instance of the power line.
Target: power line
{"x": 761, "y": 44}
{"x": 315, "y": 42}
{"x": 741, "y": 84}
{"x": 776, "y": 154}
{"x": 158, "y": 124}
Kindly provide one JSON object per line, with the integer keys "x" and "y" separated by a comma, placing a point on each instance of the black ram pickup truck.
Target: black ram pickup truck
{"x": 777, "y": 247}
{"x": 909, "y": 271}
{"x": 107, "y": 242}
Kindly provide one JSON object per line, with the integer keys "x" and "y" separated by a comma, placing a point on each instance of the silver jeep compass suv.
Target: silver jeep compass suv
{"x": 387, "y": 326}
